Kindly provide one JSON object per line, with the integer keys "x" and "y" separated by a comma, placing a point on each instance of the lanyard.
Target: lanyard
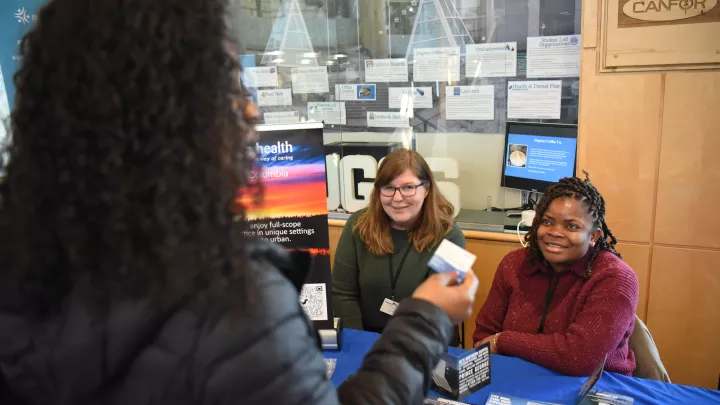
{"x": 548, "y": 299}
{"x": 394, "y": 279}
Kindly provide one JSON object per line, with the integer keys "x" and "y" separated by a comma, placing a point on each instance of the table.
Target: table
{"x": 520, "y": 378}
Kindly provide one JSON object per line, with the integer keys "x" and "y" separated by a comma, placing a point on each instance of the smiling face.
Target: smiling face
{"x": 566, "y": 232}
{"x": 404, "y": 210}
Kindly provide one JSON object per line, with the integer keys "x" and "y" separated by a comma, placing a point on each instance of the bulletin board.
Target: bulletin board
{"x": 660, "y": 34}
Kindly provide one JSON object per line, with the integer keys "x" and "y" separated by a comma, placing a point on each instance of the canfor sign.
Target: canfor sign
{"x": 663, "y": 12}
{"x": 667, "y": 10}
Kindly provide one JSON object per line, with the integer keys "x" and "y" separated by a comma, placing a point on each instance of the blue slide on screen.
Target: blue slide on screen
{"x": 543, "y": 158}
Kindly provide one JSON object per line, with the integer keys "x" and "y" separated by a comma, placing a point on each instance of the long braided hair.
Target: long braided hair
{"x": 582, "y": 190}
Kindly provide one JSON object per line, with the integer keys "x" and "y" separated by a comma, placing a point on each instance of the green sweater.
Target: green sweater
{"x": 361, "y": 280}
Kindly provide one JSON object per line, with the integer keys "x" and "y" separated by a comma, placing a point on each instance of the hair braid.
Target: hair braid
{"x": 582, "y": 190}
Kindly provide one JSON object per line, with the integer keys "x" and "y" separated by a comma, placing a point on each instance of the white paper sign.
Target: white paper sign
{"x": 386, "y": 70}
{"x": 538, "y": 99}
{"x": 387, "y": 119}
{"x": 437, "y": 64}
{"x": 355, "y": 92}
{"x": 491, "y": 60}
{"x": 255, "y": 77}
{"x": 268, "y": 98}
{"x": 328, "y": 112}
{"x": 310, "y": 80}
{"x": 282, "y": 117}
{"x": 399, "y": 97}
{"x": 470, "y": 102}
{"x": 554, "y": 56}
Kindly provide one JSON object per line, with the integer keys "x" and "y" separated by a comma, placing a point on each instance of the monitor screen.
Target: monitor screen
{"x": 538, "y": 155}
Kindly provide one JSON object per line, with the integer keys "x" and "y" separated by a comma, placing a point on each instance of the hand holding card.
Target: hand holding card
{"x": 455, "y": 300}
{"x": 450, "y": 257}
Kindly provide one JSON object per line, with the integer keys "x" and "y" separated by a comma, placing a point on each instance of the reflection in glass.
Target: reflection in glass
{"x": 343, "y": 34}
{"x": 289, "y": 41}
{"x": 437, "y": 24}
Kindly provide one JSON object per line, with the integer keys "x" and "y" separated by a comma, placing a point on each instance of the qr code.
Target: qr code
{"x": 314, "y": 301}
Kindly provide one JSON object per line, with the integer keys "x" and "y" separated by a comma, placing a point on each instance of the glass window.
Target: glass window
{"x": 348, "y": 37}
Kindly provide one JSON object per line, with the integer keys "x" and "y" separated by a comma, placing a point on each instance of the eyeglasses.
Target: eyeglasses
{"x": 407, "y": 190}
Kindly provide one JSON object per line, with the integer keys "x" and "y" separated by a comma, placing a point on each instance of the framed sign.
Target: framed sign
{"x": 666, "y": 34}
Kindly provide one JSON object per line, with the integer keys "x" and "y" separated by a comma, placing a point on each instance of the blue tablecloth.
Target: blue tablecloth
{"x": 523, "y": 379}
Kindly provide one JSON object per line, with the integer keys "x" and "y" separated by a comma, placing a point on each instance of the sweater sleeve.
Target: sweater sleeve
{"x": 345, "y": 280}
{"x": 490, "y": 319}
{"x": 596, "y": 331}
{"x": 456, "y": 236}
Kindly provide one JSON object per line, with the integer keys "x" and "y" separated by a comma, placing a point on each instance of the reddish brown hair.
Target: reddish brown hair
{"x": 436, "y": 215}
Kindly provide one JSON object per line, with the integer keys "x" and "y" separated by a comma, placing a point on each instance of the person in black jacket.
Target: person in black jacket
{"x": 125, "y": 276}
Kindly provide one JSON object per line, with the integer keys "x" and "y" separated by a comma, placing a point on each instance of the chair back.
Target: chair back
{"x": 647, "y": 358}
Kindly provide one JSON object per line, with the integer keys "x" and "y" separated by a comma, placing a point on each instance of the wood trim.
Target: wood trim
{"x": 590, "y": 23}
{"x": 337, "y": 222}
{"x": 475, "y": 235}
{"x": 492, "y": 236}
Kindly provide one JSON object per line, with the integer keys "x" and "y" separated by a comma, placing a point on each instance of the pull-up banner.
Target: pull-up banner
{"x": 16, "y": 19}
{"x": 293, "y": 211}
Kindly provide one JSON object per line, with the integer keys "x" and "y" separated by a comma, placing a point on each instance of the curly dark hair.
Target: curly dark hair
{"x": 128, "y": 146}
{"x": 582, "y": 190}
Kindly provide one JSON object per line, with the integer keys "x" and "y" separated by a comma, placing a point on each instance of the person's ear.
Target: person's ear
{"x": 596, "y": 235}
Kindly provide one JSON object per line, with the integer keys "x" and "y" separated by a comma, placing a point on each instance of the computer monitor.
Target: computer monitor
{"x": 538, "y": 155}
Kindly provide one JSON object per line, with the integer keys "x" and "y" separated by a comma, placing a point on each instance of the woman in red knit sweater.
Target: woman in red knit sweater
{"x": 567, "y": 300}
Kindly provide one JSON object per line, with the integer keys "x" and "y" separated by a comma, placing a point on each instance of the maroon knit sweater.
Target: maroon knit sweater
{"x": 586, "y": 320}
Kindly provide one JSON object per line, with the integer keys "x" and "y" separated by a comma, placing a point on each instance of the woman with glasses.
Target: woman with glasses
{"x": 384, "y": 250}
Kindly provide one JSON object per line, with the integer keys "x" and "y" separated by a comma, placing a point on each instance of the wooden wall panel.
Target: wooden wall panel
{"x": 590, "y": 23}
{"x": 335, "y": 232}
{"x": 689, "y": 178}
{"x": 683, "y": 313}
{"x": 618, "y": 141}
{"x": 638, "y": 257}
{"x": 489, "y": 254}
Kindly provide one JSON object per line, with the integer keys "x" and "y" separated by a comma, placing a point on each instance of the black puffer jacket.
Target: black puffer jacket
{"x": 141, "y": 355}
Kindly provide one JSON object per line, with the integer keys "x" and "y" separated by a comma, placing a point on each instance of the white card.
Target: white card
{"x": 309, "y": 80}
{"x": 553, "y": 56}
{"x": 355, "y": 92}
{"x": 387, "y": 119}
{"x": 260, "y": 77}
{"x": 282, "y": 117}
{"x": 491, "y": 60}
{"x": 329, "y": 112}
{"x": 389, "y": 307}
{"x": 437, "y": 64}
{"x": 275, "y": 97}
{"x": 386, "y": 70}
{"x": 400, "y": 97}
{"x": 470, "y": 102}
{"x": 451, "y": 257}
{"x": 536, "y": 99}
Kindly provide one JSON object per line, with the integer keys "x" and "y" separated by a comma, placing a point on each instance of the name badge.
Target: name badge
{"x": 389, "y": 306}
